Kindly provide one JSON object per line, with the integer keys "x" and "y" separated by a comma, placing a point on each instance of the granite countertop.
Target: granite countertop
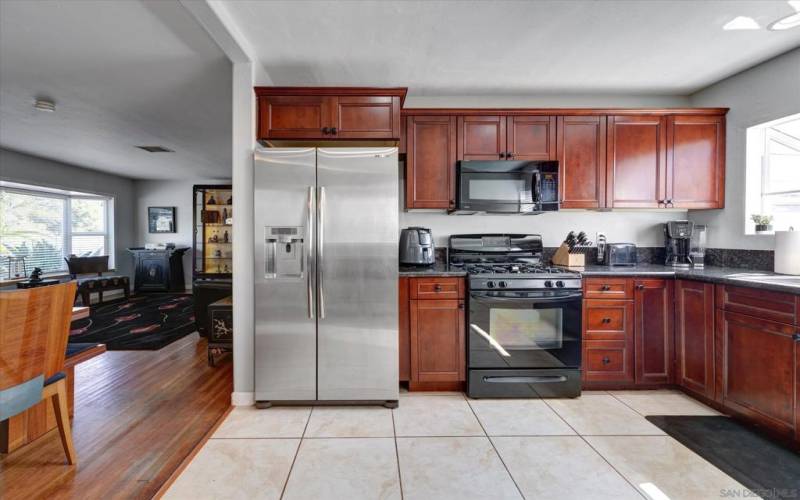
{"x": 438, "y": 269}
{"x": 726, "y": 275}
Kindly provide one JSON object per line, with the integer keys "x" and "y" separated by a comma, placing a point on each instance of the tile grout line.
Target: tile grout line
{"x": 594, "y": 449}
{"x": 297, "y": 452}
{"x": 397, "y": 455}
{"x": 522, "y": 495}
{"x": 628, "y": 406}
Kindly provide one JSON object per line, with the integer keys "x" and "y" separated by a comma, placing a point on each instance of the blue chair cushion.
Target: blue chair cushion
{"x": 55, "y": 378}
{"x": 19, "y": 398}
{"x": 75, "y": 348}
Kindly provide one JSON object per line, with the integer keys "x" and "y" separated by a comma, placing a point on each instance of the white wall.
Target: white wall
{"x": 160, "y": 193}
{"x": 23, "y": 168}
{"x": 765, "y": 92}
{"x": 643, "y": 227}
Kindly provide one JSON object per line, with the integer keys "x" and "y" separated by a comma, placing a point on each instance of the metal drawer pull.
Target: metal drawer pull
{"x": 606, "y": 320}
{"x": 539, "y": 379}
{"x": 606, "y": 360}
{"x": 437, "y": 288}
{"x": 605, "y": 288}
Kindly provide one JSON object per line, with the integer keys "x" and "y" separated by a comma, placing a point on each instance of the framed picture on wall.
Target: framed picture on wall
{"x": 161, "y": 219}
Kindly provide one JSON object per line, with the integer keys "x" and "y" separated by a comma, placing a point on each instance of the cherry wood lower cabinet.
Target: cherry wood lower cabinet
{"x": 608, "y": 342}
{"x": 432, "y": 333}
{"x": 653, "y": 331}
{"x": 757, "y": 371}
{"x": 694, "y": 337}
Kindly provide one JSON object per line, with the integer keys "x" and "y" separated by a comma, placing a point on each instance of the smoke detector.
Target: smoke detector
{"x": 44, "y": 105}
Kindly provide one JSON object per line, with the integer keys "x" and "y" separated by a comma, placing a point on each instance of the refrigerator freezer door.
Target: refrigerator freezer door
{"x": 357, "y": 273}
{"x": 285, "y": 319}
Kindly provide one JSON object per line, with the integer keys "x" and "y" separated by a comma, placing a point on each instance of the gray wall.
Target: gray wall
{"x": 177, "y": 194}
{"x": 765, "y": 92}
{"x": 643, "y": 227}
{"x": 23, "y": 168}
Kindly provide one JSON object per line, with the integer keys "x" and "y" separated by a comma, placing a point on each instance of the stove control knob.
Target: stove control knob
{"x": 560, "y": 284}
{"x": 490, "y": 284}
{"x": 502, "y": 284}
{"x": 548, "y": 284}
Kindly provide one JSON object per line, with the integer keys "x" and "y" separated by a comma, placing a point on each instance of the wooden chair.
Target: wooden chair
{"x": 34, "y": 328}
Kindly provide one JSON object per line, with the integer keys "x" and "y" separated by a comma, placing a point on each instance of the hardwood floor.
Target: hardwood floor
{"x": 138, "y": 414}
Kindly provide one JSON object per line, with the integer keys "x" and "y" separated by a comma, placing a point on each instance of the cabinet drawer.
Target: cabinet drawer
{"x": 763, "y": 304}
{"x": 607, "y": 361}
{"x": 608, "y": 319}
{"x": 608, "y": 288}
{"x": 437, "y": 288}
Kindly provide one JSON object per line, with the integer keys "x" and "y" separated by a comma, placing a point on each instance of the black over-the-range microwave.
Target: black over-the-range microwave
{"x": 509, "y": 187}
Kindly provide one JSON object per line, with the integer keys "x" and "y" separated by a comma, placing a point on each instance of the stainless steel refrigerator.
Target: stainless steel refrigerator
{"x": 326, "y": 235}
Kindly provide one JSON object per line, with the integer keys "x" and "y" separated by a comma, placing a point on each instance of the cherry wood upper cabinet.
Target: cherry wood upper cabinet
{"x": 531, "y": 137}
{"x": 694, "y": 336}
{"x": 581, "y": 153}
{"x": 430, "y": 161}
{"x": 329, "y": 113}
{"x": 481, "y": 137}
{"x": 653, "y": 332}
{"x": 636, "y": 161}
{"x": 293, "y": 117}
{"x": 695, "y": 161}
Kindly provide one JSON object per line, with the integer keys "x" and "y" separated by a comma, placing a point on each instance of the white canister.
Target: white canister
{"x": 787, "y": 252}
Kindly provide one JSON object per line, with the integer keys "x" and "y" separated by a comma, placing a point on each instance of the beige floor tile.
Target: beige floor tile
{"x": 236, "y": 468}
{"x": 663, "y": 403}
{"x": 661, "y": 467}
{"x": 518, "y": 417}
{"x": 562, "y": 467}
{"x": 435, "y": 416}
{"x": 249, "y": 422}
{"x": 350, "y": 421}
{"x": 347, "y": 468}
{"x": 597, "y": 414}
{"x": 453, "y": 468}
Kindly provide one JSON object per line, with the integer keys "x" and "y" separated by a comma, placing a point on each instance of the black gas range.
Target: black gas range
{"x": 524, "y": 318}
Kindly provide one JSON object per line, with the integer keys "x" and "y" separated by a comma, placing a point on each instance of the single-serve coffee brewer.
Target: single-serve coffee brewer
{"x": 685, "y": 243}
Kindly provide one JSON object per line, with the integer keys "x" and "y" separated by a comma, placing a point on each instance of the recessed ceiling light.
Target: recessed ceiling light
{"x": 788, "y": 22}
{"x": 156, "y": 149}
{"x": 741, "y": 23}
{"x": 44, "y": 105}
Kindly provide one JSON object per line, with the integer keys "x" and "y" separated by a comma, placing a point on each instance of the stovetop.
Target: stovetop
{"x": 516, "y": 269}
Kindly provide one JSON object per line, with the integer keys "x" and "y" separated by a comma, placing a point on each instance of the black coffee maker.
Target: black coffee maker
{"x": 677, "y": 242}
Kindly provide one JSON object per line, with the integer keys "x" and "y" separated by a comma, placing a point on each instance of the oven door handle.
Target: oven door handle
{"x": 495, "y": 298}
{"x": 533, "y": 379}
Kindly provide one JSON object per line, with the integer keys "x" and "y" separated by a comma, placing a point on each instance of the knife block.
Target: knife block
{"x": 562, "y": 257}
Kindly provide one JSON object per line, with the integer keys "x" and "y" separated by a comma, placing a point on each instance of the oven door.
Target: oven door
{"x": 524, "y": 329}
{"x": 502, "y": 192}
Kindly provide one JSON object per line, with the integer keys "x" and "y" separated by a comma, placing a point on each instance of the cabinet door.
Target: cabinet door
{"x": 696, "y": 161}
{"x": 481, "y": 137}
{"x": 403, "y": 336}
{"x": 531, "y": 137}
{"x": 582, "y": 161}
{"x": 367, "y": 117}
{"x": 757, "y": 369}
{"x": 152, "y": 272}
{"x": 653, "y": 330}
{"x": 295, "y": 117}
{"x": 437, "y": 341}
{"x": 694, "y": 336}
{"x": 431, "y": 162}
{"x": 636, "y": 161}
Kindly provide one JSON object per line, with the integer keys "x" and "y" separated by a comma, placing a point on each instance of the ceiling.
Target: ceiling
{"x": 450, "y": 48}
{"x": 122, "y": 74}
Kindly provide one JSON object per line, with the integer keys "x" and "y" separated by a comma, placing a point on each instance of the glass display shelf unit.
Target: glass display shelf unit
{"x": 213, "y": 231}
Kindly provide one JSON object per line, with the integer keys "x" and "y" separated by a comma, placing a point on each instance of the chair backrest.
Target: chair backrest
{"x": 84, "y": 265}
{"x": 34, "y": 328}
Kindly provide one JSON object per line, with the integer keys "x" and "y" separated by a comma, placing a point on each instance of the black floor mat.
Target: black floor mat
{"x": 762, "y": 465}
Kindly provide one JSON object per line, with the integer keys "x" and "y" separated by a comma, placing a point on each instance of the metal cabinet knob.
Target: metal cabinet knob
{"x": 509, "y": 155}
{"x": 606, "y": 360}
{"x": 333, "y": 131}
{"x": 606, "y": 320}
{"x": 326, "y": 130}
{"x": 437, "y": 288}
{"x": 640, "y": 287}
{"x": 502, "y": 155}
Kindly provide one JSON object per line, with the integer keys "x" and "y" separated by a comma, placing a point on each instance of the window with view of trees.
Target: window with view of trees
{"x": 46, "y": 227}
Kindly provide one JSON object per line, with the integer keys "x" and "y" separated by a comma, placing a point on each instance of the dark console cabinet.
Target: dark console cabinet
{"x": 158, "y": 270}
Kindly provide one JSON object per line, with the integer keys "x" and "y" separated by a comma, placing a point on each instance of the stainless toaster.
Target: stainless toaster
{"x": 621, "y": 254}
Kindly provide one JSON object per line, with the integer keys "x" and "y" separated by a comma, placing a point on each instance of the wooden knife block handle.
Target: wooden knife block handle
{"x": 562, "y": 257}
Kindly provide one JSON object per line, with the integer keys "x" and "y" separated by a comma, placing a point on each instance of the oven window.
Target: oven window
{"x": 527, "y": 328}
{"x": 508, "y": 189}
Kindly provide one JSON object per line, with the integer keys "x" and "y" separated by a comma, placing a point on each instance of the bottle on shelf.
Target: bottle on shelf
{"x": 225, "y": 237}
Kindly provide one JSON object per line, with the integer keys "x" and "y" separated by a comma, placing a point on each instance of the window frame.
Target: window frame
{"x": 66, "y": 223}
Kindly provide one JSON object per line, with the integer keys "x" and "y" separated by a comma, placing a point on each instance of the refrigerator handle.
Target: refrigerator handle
{"x": 310, "y": 271}
{"x": 321, "y": 250}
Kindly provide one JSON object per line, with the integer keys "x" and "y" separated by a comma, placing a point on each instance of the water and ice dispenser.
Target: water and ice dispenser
{"x": 284, "y": 246}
